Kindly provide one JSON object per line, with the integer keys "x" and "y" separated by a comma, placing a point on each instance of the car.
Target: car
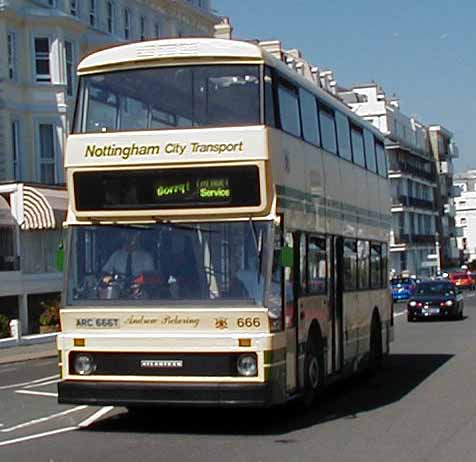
{"x": 402, "y": 288}
{"x": 463, "y": 279}
{"x": 437, "y": 298}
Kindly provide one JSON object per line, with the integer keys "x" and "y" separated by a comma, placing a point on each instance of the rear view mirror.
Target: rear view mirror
{"x": 287, "y": 257}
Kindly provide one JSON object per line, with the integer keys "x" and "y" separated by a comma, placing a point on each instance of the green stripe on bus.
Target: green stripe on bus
{"x": 274, "y": 356}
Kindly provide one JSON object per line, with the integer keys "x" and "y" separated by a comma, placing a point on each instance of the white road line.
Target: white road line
{"x": 43, "y": 419}
{"x": 36, "y": 393}
{"x": 39, "y": 435}
{"x": 396, "y": 315}
{"x": 97, "y": 415}
{"x": 18, "y": 385}
{"x": 42, "y": 384}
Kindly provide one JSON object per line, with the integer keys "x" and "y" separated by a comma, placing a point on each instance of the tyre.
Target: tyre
{"x": 376, "y": 349}
{"x": 410, "y": 318}
{"x": 313, "y": 370}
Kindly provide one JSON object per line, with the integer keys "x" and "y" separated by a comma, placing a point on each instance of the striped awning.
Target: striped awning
{"x": 38, "y": 212}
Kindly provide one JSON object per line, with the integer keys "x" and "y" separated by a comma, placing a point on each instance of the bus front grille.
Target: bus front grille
{"x": 160, "y": 364}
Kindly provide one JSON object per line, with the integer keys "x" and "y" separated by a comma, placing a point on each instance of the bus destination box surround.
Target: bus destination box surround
{"x": 167, "y": 188}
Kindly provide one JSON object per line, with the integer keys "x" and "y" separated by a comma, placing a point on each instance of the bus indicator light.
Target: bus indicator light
{"x": 244, "y": 342}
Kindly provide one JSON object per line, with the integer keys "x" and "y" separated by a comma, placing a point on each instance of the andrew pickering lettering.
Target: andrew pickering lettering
{"x": 123, "y": 152}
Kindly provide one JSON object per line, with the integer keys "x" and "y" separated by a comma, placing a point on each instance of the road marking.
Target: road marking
{"x": 36, "y": 393}
{"x": 39, "y": 435}
{"x": 42, "y": 384}
{"x": 18, "y": 385}
{"x": 43, "y": 419}
{"x": 97, "y": 415}
{"x": 401, "y": 313}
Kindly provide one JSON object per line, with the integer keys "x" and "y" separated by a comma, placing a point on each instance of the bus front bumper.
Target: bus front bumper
{"x": 131, "y": 394}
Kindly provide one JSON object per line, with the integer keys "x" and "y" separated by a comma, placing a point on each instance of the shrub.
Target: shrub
{"x": 50, "y": 315}
{"x": 4, "y": 326}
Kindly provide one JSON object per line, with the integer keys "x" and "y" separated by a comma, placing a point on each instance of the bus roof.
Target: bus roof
{"x": 180, "y": 48}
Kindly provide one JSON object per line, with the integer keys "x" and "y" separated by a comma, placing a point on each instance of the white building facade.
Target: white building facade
{"x": 41, "y": 42}
{"x": 466, "y": 215}
{"x": 413, "y": 178}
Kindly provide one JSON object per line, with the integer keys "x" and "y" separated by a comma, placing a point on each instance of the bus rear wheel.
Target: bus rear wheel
{"x": 313, "y": 370}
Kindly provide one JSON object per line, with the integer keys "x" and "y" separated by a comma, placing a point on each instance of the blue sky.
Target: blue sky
{"x": 423, "y": 52}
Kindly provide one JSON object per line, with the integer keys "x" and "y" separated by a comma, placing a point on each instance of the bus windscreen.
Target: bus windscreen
{"x": 167, "y": 188}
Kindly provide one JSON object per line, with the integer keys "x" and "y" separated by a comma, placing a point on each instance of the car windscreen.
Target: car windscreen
{"x": 395, "y": 282}
{"x": 435, "y": 289}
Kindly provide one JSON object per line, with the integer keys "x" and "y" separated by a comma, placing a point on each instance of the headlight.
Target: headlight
{"x": 246, "y": 365}
{"x": 84, "y": 364}
{"x": 412, "y": 303}
{"x": 449, "y": 303}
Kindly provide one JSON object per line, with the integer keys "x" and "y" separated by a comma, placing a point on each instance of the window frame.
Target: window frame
{"x": 42, "y": 79}
{"x": 342, "y": 136}
{"x": 303, "y": 94}
{"x": 69, "y": 67}
{"x": 357, "y": 134}
{"x": 110, "y": 16}
{"x": 326, "y": 109}
{"x": 12, "y": 55}
{"x": 74, "y": 8}
{"x": 293, "y": 91}
{"x": 369, "y": 142}
{"x": 47, "y": 161}
{"x": 363, "y": 264}
{"x": 16, "y": 149}
{"x": 127, "y": 23}
{"x": 353, "y": 268}
{"x": 142, "y": 28}
{"x": 92, "y": 14}
{"x": 381, "y": 159}
{"x": 324, "y": 254}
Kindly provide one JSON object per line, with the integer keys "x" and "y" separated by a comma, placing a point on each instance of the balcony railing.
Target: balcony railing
{"x": 418, "y": 172}
{"x": 414, "y": 239}
{"x": 413, "y": 202}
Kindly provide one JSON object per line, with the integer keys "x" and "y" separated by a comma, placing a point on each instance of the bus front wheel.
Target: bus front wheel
{"x": 313, "y": 370}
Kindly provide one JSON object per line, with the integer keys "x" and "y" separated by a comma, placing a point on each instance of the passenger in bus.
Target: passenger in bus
{"x": 129, "y": 260}
{"x": 249, "y": 280}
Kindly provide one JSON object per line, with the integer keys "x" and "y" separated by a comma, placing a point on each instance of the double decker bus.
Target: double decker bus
{"x": 227, "y": 231}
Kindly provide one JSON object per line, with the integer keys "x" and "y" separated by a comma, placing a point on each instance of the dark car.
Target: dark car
{"x": 402, "y": 288}
{"x": 436, "y": 298}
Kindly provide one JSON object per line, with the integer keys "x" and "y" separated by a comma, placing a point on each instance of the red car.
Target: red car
{"x": 463, "y": 280}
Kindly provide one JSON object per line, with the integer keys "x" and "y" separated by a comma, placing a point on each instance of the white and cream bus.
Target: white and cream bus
{"x": 227, "y": 226}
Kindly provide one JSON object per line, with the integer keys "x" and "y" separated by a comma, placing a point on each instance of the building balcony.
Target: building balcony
{"x": 414, "y": 239}
{"x": 405, "y": 201}
{"x": 402, "y": 167}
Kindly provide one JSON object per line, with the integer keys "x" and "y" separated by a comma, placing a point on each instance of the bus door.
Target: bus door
{"x": 288, "y": 261}
{"x": 336, "y": 305}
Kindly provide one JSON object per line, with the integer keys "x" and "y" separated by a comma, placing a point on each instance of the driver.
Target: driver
{"x": 129, "y": 260}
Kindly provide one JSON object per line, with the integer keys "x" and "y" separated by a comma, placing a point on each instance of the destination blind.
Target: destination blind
{"x": 167, "y": 188}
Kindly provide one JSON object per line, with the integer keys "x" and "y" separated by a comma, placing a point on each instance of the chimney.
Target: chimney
{"x": 224, "y": 29}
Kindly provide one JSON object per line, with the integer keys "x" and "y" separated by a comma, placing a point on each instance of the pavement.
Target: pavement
{"x": 28, "y": 352}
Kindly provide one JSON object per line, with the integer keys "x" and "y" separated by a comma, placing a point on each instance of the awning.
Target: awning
{"x": 43, "y": 207}
{"x": 6, "y": 218}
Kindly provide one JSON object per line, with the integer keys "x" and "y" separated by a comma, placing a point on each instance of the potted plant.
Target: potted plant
{"x": 50, "y": 318}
